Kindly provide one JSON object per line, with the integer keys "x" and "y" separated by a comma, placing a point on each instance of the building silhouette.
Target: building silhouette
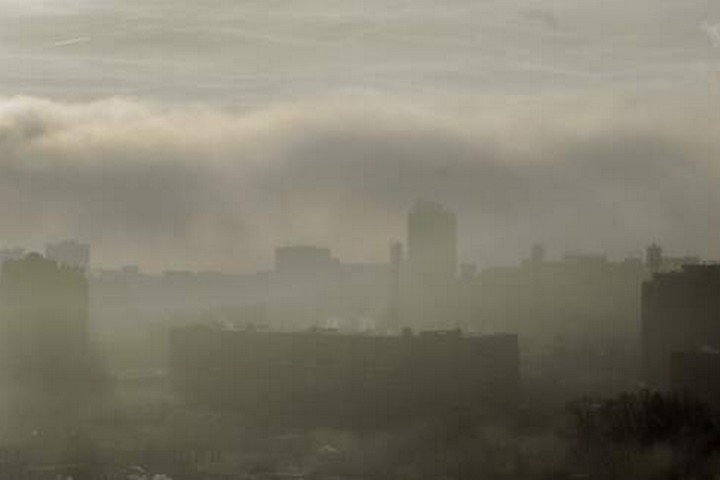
{"x": 657, "y": 262}
{"x": 574, "y": 315}
{"x": 44, "y": 322}
{"x": 680, "y": 313}
{"x": 432, "y": 243}
{"x": 585, "y": 299}
{"x": 69, "y": 252}
{"x": 328, "y": 379}
{"x": 428, "y": 274}
{"x": 392, "y": 319}
{"x": 304, "y": 260}
{"x": 309, "y": 287}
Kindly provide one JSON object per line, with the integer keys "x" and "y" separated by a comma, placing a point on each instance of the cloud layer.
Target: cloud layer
{"x": 245, "y": 53}
{"x": 198, "y": 187}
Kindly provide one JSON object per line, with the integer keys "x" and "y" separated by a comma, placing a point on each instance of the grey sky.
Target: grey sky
{"x": 245, "y": 52}
{"x": 202, "y": 134}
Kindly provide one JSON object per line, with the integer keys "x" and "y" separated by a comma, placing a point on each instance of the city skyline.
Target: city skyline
{"x": 335, "y": 240}
{"x": 639, "y": 253}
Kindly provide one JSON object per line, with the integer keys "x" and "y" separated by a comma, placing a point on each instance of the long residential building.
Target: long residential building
{"x": 325, "y": 378}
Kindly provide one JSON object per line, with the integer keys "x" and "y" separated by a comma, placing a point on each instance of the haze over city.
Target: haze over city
{"x": 380, "y": 240}
{"x": 199, "y": 136}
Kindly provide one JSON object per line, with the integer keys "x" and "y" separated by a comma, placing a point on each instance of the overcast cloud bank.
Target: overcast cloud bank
{"x": 199, "y": 187}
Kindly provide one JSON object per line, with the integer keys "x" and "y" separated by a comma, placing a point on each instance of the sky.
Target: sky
{"x": 201, "y": 135}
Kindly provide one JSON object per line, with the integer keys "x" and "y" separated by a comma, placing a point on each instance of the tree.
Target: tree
{"x": 643, "y": 435}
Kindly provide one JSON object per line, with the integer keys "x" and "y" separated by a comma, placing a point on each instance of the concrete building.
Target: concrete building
{"x": 131, "y": 309}
{"x": 573, "y": 315}
{"x": 428, "y": 274}
{"x": 432, "y": 242}
{"x": 391, "y": 321}
{"x": 578, "y": 300}
{"x": 44, "y": 321}
{"x": 680, "y": 313}
{"x": 329, "y": 379}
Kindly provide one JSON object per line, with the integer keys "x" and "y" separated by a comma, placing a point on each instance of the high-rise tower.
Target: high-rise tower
{"x": 429, "y": 284}
{"x": 432, "y": 242}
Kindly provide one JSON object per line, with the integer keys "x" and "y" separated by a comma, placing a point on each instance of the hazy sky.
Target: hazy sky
{"x": 248, "y": 52}
{"x": 202, "y": 134}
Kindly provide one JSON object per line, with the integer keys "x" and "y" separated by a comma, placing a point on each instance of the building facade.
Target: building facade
{"x": 432, "y": 242}
{"x": 680, "y": 313}
{"x": 45, "y": 321}
{"x": 428, "y": 275}
{"x": 329, "y": 379}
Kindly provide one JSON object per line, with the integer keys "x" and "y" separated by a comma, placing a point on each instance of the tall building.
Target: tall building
{"x": 392, "y": 322}
{"x": 680, "y": 313}
{"x": 429, "y": 275}
{"x": 44, "y": 322}
{"x": 69, "y": 252}
{"x": 432, "y": 242}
